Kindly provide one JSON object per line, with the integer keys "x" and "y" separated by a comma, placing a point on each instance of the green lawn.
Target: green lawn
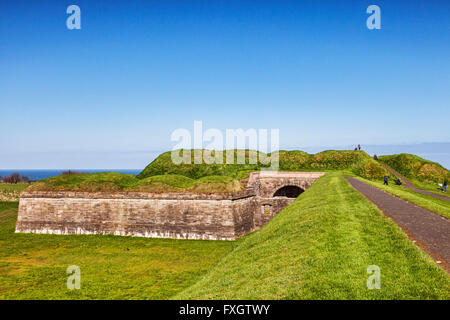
{"x": 34, "y": 266}
{"x": 438, "y": 206}
{"x": 320, "y": 248}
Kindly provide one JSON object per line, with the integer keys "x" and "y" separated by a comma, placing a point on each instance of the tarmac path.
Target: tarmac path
{"x": 425, "y": 228}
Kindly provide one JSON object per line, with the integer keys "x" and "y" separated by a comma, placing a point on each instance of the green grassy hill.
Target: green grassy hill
{"x": 163, "y": 164}
{"x": 311, "y": 251}
{"x": 416, "y": 168}
{"x": 357, "y": 162}
{"x": 162, "y": 175}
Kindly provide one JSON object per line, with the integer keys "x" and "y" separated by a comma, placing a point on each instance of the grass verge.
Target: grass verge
{"x": 430, "y": 187}
{"x": 438, "y": 206}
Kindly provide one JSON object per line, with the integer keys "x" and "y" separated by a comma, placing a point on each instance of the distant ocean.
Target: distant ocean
{"x": 35, "y": 175}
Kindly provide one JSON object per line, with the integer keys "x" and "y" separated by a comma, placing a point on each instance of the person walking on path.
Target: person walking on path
{"x": 444, "y": 186}
{"x": 386, "y": 177}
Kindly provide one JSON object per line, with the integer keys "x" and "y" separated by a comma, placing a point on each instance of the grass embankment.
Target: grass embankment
{"x": 162, "y": 175}
{"x": 422, "y": 173}
{"x": 358, "y": 162}
{"x": 119, "y": 182}
{"x": 11, "y": 191}
{"x": 438, "y": 206}
{"x": 33, "y": 266}
{"x": 319, "y": 248}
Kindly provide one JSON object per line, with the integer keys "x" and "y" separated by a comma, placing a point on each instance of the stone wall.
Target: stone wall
{"x": 267, "y": 183}
{"x": 183, "y": 216}
{"x": 157, "y": 215}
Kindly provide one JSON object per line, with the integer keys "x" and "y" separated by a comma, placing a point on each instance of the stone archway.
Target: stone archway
{"x": 288, "y": 191}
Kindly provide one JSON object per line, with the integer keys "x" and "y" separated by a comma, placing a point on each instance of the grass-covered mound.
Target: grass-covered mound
{"x": 119, "y": 182}
{"x": 320, "y": 247}
{"x": 358, "y": 162}
{"x": 416, "y": 168}
{"x": 163, "y": 164}
{"x": 163, "y": 175}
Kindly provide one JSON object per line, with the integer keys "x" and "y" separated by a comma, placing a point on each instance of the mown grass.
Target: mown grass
{"x": 320, "y": 248}
{"x": 438, "y": 206}
{"x": 33, "y": 266}
{"x": 430, "y": 187}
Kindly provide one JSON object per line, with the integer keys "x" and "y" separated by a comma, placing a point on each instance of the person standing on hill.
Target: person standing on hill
{"x": 386, "y": 178}
{"x": 444, "y": 186}
{"x": 359, "y": 147}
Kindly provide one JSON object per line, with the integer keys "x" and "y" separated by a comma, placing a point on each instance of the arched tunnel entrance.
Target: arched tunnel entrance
{"x": 288, "y": 191}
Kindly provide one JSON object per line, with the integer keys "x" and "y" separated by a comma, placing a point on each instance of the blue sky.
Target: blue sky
{"x": 138, "y": 70}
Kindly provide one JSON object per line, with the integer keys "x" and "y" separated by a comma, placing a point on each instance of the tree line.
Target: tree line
{"x": 15, "y": 178}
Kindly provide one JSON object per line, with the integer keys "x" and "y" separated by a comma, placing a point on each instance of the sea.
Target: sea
{"x": 36, "y": 175}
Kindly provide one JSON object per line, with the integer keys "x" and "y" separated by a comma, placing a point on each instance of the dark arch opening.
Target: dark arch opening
{"x": 288, "y": 191}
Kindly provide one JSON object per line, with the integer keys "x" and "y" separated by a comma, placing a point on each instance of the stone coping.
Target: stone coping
{"x": 248, "y": 192}
{"x": 138, "y": 195}
{"x": 253, "y": 176}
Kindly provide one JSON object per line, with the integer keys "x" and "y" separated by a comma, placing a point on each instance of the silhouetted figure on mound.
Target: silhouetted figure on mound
{"x": 386, "y": 178}
{"x": 375, "y": 157}
{"x": 398, "y": 182}
{"x": 359, "y": 147}
{"x": 444, "y": 186}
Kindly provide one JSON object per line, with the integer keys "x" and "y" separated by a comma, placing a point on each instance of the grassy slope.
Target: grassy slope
{"x": 119, "y": 182}
{"x": 163, "y": 165}
{"x": 163, "y": 175}
{"x": 416, "y": 168}
{"x": 34, "y": 266}
{"x": 356, "y": 161}
{"x": 436, "y": 205}
{"x": 320, "y": 248}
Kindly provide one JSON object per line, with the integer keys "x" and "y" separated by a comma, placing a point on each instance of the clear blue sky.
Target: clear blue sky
{"x": 138, "y": 70}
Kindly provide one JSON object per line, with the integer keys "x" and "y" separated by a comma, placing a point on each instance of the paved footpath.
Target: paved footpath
{"x": 429, "y": 230}
{"x": 409, "y": 185}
